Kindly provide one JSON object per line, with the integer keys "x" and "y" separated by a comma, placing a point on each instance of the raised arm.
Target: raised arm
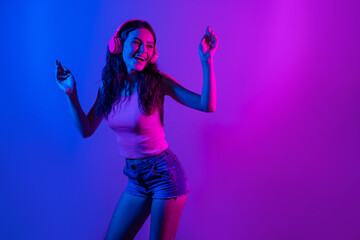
{"x": 205, "y": 102}
{"x": 208, "y": 95}
{"x": 184, "y": 96}
{"x": 86, "y": 124}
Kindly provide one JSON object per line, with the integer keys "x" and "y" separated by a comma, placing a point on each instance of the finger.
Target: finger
{"x": 212, "y": 34}
{"x": 207, "y": 31}
{"x": 59, "y": 73}
{"x": 62, "y": 78}
{"x": 202, "y": 40}
{"x": 208, "y": 37}
{"x": 67, "y": 71}
{"x": 59, "y": 70}
{"x": 214, "y": 40}
{"x": 60, "y": 66}
{"x": 205, "y": 44}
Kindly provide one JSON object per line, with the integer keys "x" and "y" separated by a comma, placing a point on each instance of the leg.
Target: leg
{"x": 129, "y": 215}
{"x": 165, "y": 217}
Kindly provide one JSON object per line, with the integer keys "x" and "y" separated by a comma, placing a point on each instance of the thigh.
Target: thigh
{"x": 129, "y": 215}
{"x": 165, "y": 217}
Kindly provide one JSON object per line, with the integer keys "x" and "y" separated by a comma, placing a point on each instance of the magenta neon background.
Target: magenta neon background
{"x": 279, "y": 159}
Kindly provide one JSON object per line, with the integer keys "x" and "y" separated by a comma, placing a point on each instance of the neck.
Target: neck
{"x": 132, "y": 77}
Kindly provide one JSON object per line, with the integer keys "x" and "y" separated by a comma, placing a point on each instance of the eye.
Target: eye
{"x": 151, "y": 46}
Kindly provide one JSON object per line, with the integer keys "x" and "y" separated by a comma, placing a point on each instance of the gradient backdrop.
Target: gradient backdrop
{"x": 278, "y": 160}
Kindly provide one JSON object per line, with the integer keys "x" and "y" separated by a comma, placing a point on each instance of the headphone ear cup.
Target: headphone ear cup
{"x": 115, "y": 45}
{"x": 155, "y": 57}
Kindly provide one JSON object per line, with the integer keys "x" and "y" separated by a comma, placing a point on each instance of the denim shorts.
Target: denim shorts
{"x": 161, "y": 176}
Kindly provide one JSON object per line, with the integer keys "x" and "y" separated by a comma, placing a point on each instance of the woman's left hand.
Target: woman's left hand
{"x": 208, "y": 45}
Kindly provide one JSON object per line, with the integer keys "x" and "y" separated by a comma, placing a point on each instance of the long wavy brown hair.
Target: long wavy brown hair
{"x": 115, "y": 79}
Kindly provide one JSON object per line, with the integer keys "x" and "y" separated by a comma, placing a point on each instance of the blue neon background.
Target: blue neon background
{"x": 279, "y": 159}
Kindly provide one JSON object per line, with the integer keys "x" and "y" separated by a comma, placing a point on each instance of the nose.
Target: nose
{"x": 142, "y": 48}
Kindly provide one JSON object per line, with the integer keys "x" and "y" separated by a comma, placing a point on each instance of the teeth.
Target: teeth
{"x": 140, "y": 58}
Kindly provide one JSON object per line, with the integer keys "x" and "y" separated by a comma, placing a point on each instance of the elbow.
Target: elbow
{"x": 86, "y": 134}
{"x": 86, "y": 131}
{"x": 208, "y": 107}
{"x": 210, "y": 110}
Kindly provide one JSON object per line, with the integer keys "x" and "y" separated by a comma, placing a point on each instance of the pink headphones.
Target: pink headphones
{"x": 115, "y": 44}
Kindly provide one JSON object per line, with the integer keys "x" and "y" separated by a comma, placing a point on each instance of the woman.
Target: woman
{"x": 131, "y": 98}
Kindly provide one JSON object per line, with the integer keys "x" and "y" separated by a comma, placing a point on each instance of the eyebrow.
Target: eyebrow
{"x": 141, "y": 40}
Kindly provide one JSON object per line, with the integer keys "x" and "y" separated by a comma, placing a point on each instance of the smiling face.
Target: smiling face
{"x": 138, "y": 49}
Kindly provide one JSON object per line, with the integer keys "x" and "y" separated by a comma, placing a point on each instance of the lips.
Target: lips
{"x": 140, "y": 58}
{"x": 138, "y": 61}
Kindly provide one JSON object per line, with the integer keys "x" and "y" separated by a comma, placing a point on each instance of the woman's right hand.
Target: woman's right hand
{"x": 64, "y": 78}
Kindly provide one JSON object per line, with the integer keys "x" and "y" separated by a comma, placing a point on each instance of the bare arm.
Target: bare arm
{"x": 86, "y": 124}
{"x": 208, "y": 95}
{"x": 207, "y": 48}
{"x": 205, "y": 102}
{"x": 188, "y": 98}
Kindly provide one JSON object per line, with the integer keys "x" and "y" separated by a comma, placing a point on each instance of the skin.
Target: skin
{"x": 139, "y": 42}
{"x": 143, "y": 46}
{"x": 131, "y": 211}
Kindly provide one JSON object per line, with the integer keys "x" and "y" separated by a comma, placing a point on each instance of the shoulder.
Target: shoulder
{"x": 167, "y": 78}
{"x": 167, "y": 83}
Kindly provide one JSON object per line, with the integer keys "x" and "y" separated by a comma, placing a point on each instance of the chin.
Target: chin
{"x": 139, "y": 69}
